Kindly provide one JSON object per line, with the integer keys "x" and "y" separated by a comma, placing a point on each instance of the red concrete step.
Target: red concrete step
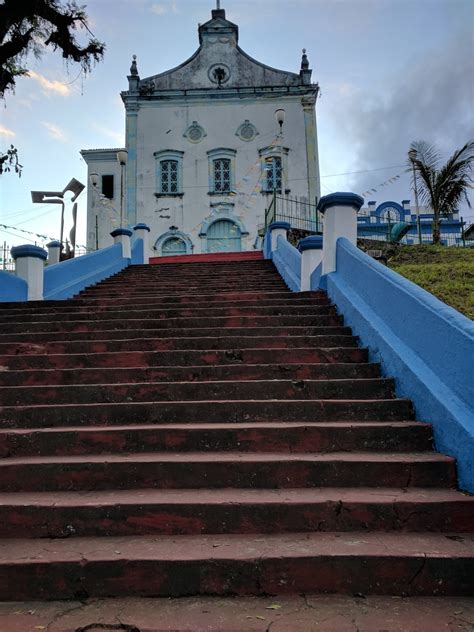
{"x": 215, "y": 411}
{"x": 124, "y": 333}
{"x": 346, "y": 563}
{"x": 231, "y": 511}
{"x": 234, "y": 345}
{"x": 206, "y": 276}
{"x": 214, "y": 257}
{"x": 217, "y": 322}
{"x": 103, "y": 307}
{"x": 197, "y": 290}
{"x": 193, "y": 470}
{"x": 282, "y": 389}
{"x": 177, "y": 297}
{"x": 45, "y": 377}
{"x": 34, "y": 357}
{"x": 167, "y": 313}
{"x": 278, "y": 437}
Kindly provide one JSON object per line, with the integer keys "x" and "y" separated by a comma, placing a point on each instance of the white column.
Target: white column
{"x": 276, "y": 229}
{"x": 29, "y": 265}
{"x": 311, "y": 249}
{"x": 340, "y": 220}
{"x": 122, "y": 236}
{"x": 141, "y": 232}
{"x": 54, "y": 252}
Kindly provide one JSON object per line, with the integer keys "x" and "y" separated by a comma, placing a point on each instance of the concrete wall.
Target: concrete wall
{"x": 12, "y": 288}
{"x": 427, "y": 346}
{"x": 64, "y": 280}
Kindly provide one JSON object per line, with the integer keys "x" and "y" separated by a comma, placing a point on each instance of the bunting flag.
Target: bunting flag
{"x": 382, "y": 184}
{"x": 28, "y": 232}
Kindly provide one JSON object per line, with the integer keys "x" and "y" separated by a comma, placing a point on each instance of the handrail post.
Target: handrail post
{"x": 122, "y": 236}
{"x": 141, "y": 232}
{"x": 311, "y": 249}
{"x": 29, "y": 266}
{"x": 340, "y": 220}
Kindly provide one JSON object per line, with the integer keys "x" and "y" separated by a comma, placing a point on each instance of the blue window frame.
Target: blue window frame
{"x": 169, "y": 176}
{"x": 221, "y": 170}
{"x": 222, "y": 182}
{"x": 169, "y": 170}
{"x": 273, "y": 174}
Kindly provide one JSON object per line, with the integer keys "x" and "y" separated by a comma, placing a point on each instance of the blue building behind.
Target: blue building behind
{"x": 391, "y": 219}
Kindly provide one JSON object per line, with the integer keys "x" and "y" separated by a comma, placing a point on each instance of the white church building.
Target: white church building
{"x": 205, "y": 149}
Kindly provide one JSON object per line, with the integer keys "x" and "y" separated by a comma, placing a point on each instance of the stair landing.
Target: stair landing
{"x": 286, "y": 613}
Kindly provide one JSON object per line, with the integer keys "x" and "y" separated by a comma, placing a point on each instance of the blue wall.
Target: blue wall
{"x": 12, "y": 288}
{"x": 63, "y": 280}
{"x": 287, "y": 260}
{"x": 138, "y": 252}
{"x": 426, "y": 345}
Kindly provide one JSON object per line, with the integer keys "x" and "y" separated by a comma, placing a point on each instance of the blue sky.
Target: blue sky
{"x": 390, "y": 71}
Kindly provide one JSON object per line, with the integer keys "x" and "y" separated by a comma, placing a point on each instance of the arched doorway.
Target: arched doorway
{"x": 173, "y": 246}
{"x": 223, "y": 235}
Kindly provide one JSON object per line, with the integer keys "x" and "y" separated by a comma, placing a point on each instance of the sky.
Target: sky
{"x": 390, "y": 72}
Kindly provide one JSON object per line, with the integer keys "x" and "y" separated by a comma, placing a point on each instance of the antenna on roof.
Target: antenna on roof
{"x": 218, "y": 4}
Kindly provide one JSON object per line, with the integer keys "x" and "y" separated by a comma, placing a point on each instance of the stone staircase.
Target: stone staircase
{"x": 195, "y": 428}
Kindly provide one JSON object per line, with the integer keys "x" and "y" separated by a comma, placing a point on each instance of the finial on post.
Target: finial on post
{"x": 133, "y": 67}
{"x": 304, "y": 61}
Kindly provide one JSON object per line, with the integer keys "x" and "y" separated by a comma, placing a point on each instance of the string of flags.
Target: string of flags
{"x": 391, "y": 180}
{"x": 253, "y": 181}
{"x": 29, "y": 232}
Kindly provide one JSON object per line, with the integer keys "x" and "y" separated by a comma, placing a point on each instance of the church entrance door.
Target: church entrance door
{"x": 223, "y": 236}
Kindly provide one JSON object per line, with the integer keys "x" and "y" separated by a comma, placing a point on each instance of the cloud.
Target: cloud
{"x": 162, "y": 9}
{"x": 6, "y": 132}
{"x": 430, "y": 99}
{"x": 50, "y": 86}
{"x": 55, "y": 131}
{"x": 117, "y": 137}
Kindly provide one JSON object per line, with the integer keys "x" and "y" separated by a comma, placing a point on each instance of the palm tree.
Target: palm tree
{"x": 441, "y": 187}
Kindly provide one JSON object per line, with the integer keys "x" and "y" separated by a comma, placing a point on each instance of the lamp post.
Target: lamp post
{"x": 94, "y": 178}
{"x": 280, "y": 118}
{"x": 122, "y": 157}
{"x": 412, "y": 154}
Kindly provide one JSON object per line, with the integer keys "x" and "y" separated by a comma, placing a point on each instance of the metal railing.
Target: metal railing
{"x": 299, "y": 212}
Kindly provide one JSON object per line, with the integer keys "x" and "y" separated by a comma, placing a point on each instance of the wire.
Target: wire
{"x": 27, "y": 210}
{"x": 33, "y": 241}
{"x": 350, "y": 173}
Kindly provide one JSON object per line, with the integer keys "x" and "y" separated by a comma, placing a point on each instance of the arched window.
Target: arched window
{"x": 173, "y": 242}
{"x": 173, "y": 246}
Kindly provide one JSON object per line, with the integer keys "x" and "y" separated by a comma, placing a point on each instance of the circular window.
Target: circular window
{"x": 219, "y": 74}
{"x": 247, "y": 132}
{"x": 195, "y": 134}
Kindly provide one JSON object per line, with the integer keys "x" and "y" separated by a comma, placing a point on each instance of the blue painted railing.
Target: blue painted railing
{"x": 138, "y": 252}
{"x": 287, "y": 260}
{"x": 63, "y": 280}
{"x": 12, "y": 288}
{"x": 426, "y": 345}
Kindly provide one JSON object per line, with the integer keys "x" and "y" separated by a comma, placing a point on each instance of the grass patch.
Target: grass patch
{"x": 448, "y": 273}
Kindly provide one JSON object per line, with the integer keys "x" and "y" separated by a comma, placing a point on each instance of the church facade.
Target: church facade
{"x": 205, "y": 151}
